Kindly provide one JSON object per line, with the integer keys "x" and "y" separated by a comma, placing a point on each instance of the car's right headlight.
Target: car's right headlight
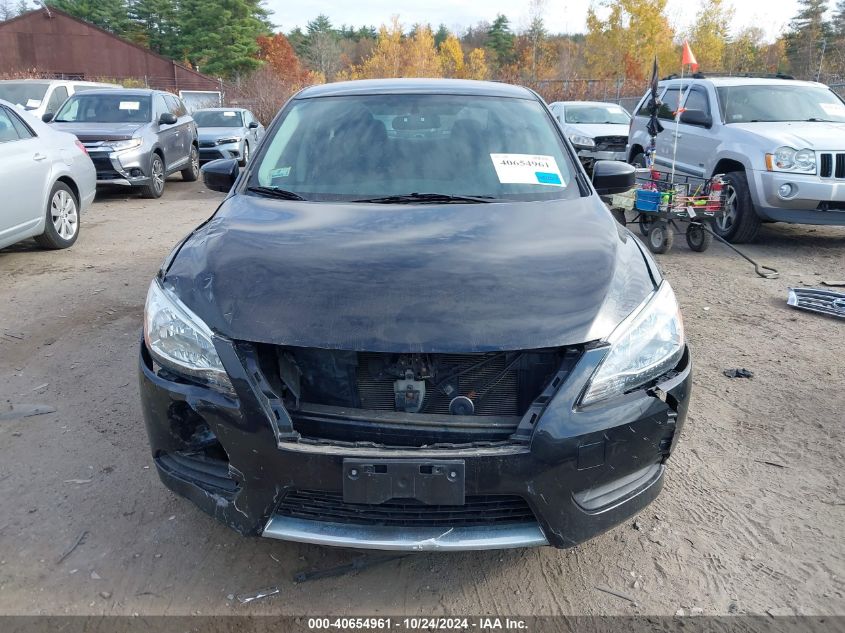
{"x": 578, "y": 140}
{"x": 179, "y": 340}
{"x": 119, "y": 146}
{"x": 646, "y": 345}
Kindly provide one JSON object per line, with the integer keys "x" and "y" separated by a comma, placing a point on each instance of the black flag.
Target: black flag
{"x": 654, "y": 127}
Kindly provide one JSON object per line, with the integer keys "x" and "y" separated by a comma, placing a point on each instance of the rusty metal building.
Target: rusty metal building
{"x": 52, "y": 43}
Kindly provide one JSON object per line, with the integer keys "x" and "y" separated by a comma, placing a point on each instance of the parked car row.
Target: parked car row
{"x": 100, "y": 135}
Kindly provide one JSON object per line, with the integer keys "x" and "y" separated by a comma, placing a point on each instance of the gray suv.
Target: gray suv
{"x": 779, "y": 142}
{"x": 136, "y": 138}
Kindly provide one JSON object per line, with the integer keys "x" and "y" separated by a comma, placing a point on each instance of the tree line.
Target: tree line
{"x": 234, "y": 38}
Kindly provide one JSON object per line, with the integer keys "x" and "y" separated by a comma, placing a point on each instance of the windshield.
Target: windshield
{"x": 117, "y": 108}
{"x": 363, "y": 147}
{"x": 595, "y": 114}
{"x": 26, "y": 94}
{"x": 218, "y": 118}
{"x": 749, "y": 104}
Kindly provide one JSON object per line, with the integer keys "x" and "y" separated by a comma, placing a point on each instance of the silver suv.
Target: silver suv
{"x": 780, "y": 143}
{"x": 136, "y": 138}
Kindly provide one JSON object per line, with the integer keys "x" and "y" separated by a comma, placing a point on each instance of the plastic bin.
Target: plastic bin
{"x": 648, "y": 201}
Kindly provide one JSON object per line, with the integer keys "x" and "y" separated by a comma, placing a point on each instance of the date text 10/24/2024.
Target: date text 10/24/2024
{"x": 486, "y": 623}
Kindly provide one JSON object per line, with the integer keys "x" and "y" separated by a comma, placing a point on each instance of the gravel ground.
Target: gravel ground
{"x": 750, "y": 519}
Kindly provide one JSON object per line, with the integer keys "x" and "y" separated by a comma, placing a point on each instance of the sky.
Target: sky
{"x": 561, "y": 16}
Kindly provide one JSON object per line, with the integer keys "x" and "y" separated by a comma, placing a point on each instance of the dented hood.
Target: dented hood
{"x": 411, "y": 278}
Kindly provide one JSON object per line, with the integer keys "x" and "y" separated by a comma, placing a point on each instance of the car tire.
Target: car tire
{"x": 638, "y": 160}
{"x": 61, "y": 226}
{"x": 660, "y": 238}
{"x": 699, "y": 238}
{"x": 157, "y": 177}
{"x": 192, "y": 171}
{"x": 245, "y": 158}
{"x": 739, "y": 223}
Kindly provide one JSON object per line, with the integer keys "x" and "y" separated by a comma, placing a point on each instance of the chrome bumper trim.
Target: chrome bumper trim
{"x": 405, "y": 539}
{"x": 117, "y": 181}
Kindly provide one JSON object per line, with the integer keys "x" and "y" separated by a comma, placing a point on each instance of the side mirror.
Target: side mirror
{"x": 221, "y": 174}
{"x": 253, "y": 125}
{"x": 167, "y": 118}
{"x": 47, "y": 117}
{"x": 613, "y": 176}
{"x": 696, "y": 117}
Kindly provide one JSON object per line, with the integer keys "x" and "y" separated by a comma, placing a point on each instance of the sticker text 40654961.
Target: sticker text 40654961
{"x": 527, "y": 169}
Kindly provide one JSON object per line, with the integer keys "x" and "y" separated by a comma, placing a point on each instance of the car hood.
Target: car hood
{"x": 411, "y": 278}
{"x": 594, "y": 130}
{"x": 214, "y": 133}
{"x": 797, "y": 134}
{"x": 99, "y": 131}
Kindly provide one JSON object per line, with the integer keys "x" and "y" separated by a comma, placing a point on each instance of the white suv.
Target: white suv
{"x": 43, "y": 96}
{"x": 779, "y": 142}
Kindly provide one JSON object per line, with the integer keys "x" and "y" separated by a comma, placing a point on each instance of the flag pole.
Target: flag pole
{"x": 677, "y": 121}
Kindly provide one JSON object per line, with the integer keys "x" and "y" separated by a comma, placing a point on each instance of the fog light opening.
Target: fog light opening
{"x": 786, "y": 190}
{"x": 135, "y": 173}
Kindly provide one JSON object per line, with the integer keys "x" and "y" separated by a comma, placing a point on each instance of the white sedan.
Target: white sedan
{"x": 46, "y": 181}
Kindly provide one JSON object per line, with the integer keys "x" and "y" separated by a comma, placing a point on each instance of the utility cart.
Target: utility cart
{"x": 664, "y": 204}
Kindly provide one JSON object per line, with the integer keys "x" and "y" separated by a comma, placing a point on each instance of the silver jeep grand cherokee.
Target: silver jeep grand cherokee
{"x": 780, "y": 143}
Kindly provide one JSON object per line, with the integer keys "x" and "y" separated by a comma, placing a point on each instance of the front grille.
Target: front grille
{"x": 501, "y": 399}
{"x": 356, "y": 397}
{"x": 206, "y": 154}
{"x": 817, "y": 300}
{"x": 207, "y": 143}
{"x": 832, "y": 165}
{"x": 478, "y": 510}
{"x": 611, "y": 143}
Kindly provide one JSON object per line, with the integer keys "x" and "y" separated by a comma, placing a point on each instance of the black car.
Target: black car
{"x": 136, "y": 138}
{"x": 413, "y": 325}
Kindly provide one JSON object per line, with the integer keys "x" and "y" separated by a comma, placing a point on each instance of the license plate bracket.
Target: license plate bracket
{"x": 432, "y": 482}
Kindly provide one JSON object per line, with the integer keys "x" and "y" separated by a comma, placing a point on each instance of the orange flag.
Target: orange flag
{"x": 689, "y": 58}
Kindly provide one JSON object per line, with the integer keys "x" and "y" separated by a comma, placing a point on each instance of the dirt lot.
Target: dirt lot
{"x": 751, "y": 518}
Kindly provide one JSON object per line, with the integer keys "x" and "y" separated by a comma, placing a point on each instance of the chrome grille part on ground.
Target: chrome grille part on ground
{"x": 818, "y": 300}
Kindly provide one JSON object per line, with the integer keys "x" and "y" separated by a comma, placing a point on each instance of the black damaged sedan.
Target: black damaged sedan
{"x": 413, "y": 325}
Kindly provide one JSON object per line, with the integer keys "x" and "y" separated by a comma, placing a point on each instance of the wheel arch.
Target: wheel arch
{"x": 635, "y": 149}
{"x": 725, "y": 165}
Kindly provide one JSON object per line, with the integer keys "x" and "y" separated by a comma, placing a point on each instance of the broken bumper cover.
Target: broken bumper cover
{"x": 582, "y": 471}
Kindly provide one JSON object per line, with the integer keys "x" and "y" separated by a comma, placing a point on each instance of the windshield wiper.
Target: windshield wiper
{"x": 445, "y": 198}
{"x": 275, "y": 192}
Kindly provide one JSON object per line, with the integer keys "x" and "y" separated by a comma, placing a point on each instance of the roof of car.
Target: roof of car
{"x": 590, "y": 103}
{"x": 743, "y": 81}
{"x": 126, "y": 92}
{"x": 417, "y": 86}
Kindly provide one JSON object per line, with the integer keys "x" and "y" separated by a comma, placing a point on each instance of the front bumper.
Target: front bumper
{"x": 129, "y": 168}
{"x": 229, "y": 150}
{"x": 583, "y": 470}
{"x": 814, "y": 200}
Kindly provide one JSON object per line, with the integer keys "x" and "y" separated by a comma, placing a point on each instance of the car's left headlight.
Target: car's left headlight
{"x": 646, "y": 345}
{"x": 179, "y": 340}
{"x": 119, "y": 146}
{"x": 228, "y": 139}
{"x": 579, "y": 140}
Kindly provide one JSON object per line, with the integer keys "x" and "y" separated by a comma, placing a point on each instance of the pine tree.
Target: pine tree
{"x": 808, "y": 36}
{"x": 112, "y": 15}
{"x": 500, "y": 40}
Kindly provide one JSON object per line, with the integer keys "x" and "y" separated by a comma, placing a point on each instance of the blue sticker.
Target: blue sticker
{"x": 547, "y": 178}
{"x": 281, "y": 172}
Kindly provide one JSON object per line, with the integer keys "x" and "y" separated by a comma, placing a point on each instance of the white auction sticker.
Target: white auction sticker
{"x": 129, "y": 105}
{"x": 527, "y": 169}
{"x": 228, "y": 114}
{"x": 833, "y": 109}
{"x": 33, "y": 103}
